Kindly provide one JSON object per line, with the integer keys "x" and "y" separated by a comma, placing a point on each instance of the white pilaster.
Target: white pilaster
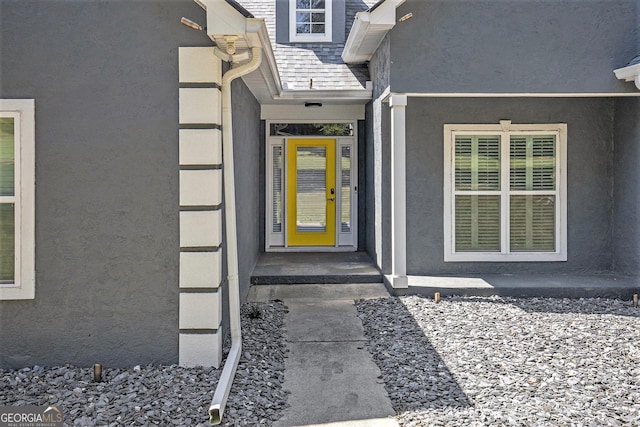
{"x": 200, "y": 156}
{"x": 398, "y": 104}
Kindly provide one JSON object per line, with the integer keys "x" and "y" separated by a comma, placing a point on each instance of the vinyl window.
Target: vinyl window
{"x": 17, "y": 245}
{"x": 310, "y": 20}
{"x": 505, "y": 192}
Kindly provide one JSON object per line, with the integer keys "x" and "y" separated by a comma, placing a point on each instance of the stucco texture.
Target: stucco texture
{"x": 590, "y": 203}
{"x": 626, "y": 237}
{"x": 247, "y": 141}
{"x": 377, "y": 155}
{"x": 523, "y": 46}
{"x": 104, "y": 76}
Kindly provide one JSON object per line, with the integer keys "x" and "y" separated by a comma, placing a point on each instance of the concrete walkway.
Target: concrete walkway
{"x": 330, "y": 374}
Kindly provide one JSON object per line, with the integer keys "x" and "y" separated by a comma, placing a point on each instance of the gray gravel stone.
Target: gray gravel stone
{"x": 165, "y": 395}
{"x": 506, "y": 361}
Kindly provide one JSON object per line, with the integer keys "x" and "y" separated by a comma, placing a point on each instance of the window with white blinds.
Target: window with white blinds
{"x": 17, "y": 199}
{"x": 505, "y": 192}
{"x": 345, "y": 189}
{"x": 276, "y": 188}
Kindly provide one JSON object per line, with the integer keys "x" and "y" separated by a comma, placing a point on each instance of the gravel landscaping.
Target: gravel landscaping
{"x": 502, "y": 361}
{"x": 165, "y": 395}
{"x": 462, "y": 362}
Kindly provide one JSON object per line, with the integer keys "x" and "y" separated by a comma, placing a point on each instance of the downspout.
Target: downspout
{"x": 221, "y": 394}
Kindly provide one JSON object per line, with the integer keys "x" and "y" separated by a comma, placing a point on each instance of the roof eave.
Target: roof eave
{"x": 368, "y": 30}
{"x": 333, "y": 95}
{"x": 227, "y": 18}
{"x": 629, "y": 73}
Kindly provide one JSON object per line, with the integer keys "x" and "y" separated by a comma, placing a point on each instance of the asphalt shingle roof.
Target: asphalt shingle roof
{"x": 299, "y": 63}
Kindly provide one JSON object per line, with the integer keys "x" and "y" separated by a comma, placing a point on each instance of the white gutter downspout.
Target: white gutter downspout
{"x": 219, "y": 400}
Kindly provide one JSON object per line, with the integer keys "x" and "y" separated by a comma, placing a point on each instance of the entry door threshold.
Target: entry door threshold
{"x": 315, "y": 268}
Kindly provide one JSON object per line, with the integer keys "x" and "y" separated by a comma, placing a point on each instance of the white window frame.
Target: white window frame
{"x": 505, "y": 128}
{"x": 311, "y": 38}
{"x": 23, "y": 110}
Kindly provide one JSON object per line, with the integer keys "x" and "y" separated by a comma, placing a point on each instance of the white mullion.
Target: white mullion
{"x": 505, "y": 187}
{"x": 353, "y": 184}
{"x": 449, "y": 191}
{"x": 17, "y": 195}
{"x": 534, "y": 193}
{"x": 560, "y": 190}
{"x": 477, "y": 193}
{"x": 268, "y": 226}
{"x": 559, "y": 207}
{"x": 285, "y": 192}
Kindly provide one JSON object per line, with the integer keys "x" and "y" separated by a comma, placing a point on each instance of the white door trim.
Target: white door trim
{"x": 277, "y": 241}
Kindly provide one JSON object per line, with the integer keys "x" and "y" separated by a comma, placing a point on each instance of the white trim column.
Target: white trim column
{"x": 200, "y": 155}
{"x": 398, "y": 104}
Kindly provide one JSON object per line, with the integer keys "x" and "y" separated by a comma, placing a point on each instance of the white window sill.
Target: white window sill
{"x": 499, "y": 257}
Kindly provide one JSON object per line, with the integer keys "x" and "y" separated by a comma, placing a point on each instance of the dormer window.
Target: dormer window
{"x": 310, "y": 20}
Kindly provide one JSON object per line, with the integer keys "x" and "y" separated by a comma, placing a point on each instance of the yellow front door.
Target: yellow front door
{"x": 311, "y": 192}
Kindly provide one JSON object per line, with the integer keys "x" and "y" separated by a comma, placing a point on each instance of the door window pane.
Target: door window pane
{"x": 7, "y": 156}
{"x": 7, "y": 242}
{"x": 277, "y": 189}
{"x": 311, "y": 129}
{"x": 477, "y": 223}
{"x": 311, "y": 187}
{"x": 532, "y": 223}
{"x": 532, "y": 162}
{"x": 477, "y": 162}
{"x": 345, "y": 190}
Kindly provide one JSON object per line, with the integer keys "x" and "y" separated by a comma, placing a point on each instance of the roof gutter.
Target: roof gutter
{"x": 631, "y": 72}
{"x": 234, "y": 31}
{"x": 258, "y": 36}
{"x": 368, "y": 30}
{"x": 219, "y": 401}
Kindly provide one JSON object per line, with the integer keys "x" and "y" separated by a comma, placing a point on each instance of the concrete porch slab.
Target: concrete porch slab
{"x": 525, "y": 285}
{"x": 313, "y": 267}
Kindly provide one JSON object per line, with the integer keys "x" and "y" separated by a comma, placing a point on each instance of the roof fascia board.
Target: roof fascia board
{"x": 257, "y": 35}
{"x": 223, "y": 19}
{"x": 327, "y": 95}
{"x": 293, "y": 113}
{"x": 385, "y": 13}
{"x": 371, "y": 27}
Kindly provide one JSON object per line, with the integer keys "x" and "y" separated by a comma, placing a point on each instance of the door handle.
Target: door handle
{"x": 331, "y": 199}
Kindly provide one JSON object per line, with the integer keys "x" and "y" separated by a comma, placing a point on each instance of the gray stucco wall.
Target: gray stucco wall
{"x": 514, "y": 46}
{"x": 590, "y": 178}
{"x": 377, "y": 155}
{"x": 247, "y": 139}
{"x": 104, "y": 76}
{"x": 626, "y": 237}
